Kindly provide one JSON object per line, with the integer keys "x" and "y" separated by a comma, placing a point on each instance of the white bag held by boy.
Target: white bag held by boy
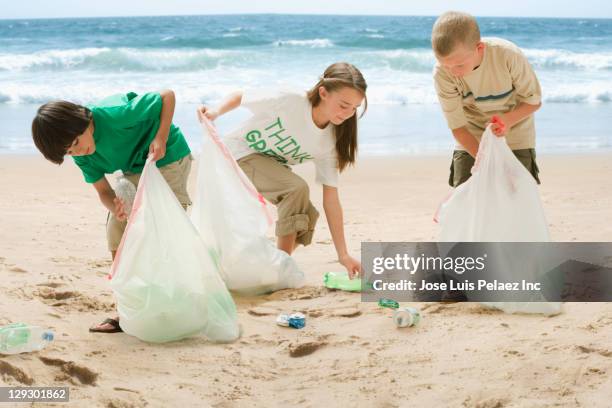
{"x": 499, "y": 203}
{"x": 166, "y": 284}
{"x": 233, "y": 219}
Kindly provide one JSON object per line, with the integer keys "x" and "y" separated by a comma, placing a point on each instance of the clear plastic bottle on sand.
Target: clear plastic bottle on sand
{"x": 22, "y": 338}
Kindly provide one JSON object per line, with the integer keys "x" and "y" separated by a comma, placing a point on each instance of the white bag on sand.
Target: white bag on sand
{"x": 166, "y": 284}
{"x": 233, "y": 219}
{"x": 499, "y": 203}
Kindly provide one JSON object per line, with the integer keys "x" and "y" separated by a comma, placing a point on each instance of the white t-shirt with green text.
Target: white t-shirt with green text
{"x": 282, "y": 127}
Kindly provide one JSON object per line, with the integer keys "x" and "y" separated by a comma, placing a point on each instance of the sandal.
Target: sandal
{"x": 114, "y": 323}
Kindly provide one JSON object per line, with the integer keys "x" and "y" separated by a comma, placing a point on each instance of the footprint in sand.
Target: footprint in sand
{"x": 128, "y": 401}
{"x": 301, "y": 349}
{"x": 83, "y": 374}
{"x": 51, "y": 294}
{"x": 72, "y": 300}
{"x": 262, "y": 311}
{"x": 486, "y": 402}
{"x": 347, "y": 312}
{"x": 9, "y": 370}
{"x": 51, "y": 284}
{"x": 313, "y": 312}
{"x": 100, "y": 263}
{"x": 601, "y": 352}
{"x": 10, "y": 267}
{"x": 307, "y": 292}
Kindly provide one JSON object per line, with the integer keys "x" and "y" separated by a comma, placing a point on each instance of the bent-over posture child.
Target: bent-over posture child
{"x": 118, "y": 133}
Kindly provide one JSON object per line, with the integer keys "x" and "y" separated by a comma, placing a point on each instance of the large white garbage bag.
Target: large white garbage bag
{"x": 499, "y": 203}
{"x": 165, "y": 281}
{"x": 233, "y": 219}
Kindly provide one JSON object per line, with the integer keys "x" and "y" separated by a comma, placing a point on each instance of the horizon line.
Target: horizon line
{"x": 293, "y": 14}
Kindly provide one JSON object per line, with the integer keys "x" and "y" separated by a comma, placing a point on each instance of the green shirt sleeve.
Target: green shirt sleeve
{"x": 133, "y": 109}
{"x": 90, "y": 172}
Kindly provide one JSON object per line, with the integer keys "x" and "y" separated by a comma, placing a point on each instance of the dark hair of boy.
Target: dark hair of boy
{"x": 56, "y": 126}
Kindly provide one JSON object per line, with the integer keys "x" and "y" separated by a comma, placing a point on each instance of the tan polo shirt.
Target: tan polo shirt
{"x": 503, "y": 80}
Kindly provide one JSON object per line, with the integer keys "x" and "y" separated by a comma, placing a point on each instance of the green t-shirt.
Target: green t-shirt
{"x": 124, "y": 127}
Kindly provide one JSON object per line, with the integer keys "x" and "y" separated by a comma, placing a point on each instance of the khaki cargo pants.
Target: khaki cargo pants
{"x": 285, "y": 189}
{"x": 176, "y": 175}
{"x": 462, "y": 163}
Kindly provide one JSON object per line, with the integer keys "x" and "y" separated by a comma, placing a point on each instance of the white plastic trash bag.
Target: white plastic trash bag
{"x": 499, "y": 203}
{"x": 165, "y": 282}
{"x": 233, "y": 219}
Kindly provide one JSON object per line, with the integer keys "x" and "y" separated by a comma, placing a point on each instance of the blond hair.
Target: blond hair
{"x": 453, "y": 28}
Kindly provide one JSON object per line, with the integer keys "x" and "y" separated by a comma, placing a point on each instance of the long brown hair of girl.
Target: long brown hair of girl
{"x": 335, "y": 77}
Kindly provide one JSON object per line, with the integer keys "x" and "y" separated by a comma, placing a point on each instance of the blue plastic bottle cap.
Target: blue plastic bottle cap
{"x": 48, "y": 336}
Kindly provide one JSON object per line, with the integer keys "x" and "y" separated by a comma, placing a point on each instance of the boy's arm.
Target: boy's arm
{"x": 158, "y": 146}
{"x": 527, "y": 88}
{"x": 511, "y": 118}
{"x": 467, "y": 140}
{"x": 451, "y": 102}
{"x": 109, "y": 199}
{"x": 231, "y": 102}
{"x": 333, "y": 213}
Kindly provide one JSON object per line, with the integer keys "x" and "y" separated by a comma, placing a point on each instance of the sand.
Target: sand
{"x": 53, "y": 265}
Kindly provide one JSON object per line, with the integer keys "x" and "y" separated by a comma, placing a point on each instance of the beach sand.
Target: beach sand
{"x": 53, "y": 265}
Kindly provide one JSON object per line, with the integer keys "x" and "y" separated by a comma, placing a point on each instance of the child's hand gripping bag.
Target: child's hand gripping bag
{"x": 499, "y": 203}
{"x": 166, "y": 284}
{"x": 227, "y": 205}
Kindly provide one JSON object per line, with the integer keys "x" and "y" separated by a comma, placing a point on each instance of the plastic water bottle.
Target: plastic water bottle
{"x": 340, "y": 280}
{"x": 406, "y": 317}
{"x": 126, "y": 191}
{"x": 22, "y": 338}
{"x": 390, "y": 303}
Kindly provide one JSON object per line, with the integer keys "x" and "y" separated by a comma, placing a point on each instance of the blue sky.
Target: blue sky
{"x": 520, "y": 8}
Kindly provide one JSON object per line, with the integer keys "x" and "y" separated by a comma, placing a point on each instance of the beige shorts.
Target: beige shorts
{"x": 285, "y": 189}
{"x": 176, "y": 175}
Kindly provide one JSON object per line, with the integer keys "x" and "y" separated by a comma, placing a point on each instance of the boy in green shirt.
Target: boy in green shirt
{"x": 118, "y": 133}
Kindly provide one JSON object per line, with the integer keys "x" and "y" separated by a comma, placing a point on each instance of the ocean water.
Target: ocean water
{"x": 203, "y": 58}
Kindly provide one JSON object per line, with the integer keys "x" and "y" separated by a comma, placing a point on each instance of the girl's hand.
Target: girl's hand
{"x": 119, "y": 212}
{"x": 353, "y": 266}
{"x": 208, "y": 113}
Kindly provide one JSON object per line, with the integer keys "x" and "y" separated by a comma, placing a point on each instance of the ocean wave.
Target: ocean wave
{"x": 398, "y": 77}
{"x": 592, "y": 97}
{"x": 382, "y": 42}
{"x": 120, "y": 59}
{"x": 189, "y": 90}
{"x": 563, "y": 59}
{"x": 316, "y": 43}
{"x": 419, "y": 61}
{"x": 105, "y": 59}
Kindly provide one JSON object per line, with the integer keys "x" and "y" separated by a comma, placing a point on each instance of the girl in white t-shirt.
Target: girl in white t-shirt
{"x": 289, "y": 128}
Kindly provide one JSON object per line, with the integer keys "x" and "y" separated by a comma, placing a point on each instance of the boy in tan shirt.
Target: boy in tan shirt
{"x": 477, "y": 79}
